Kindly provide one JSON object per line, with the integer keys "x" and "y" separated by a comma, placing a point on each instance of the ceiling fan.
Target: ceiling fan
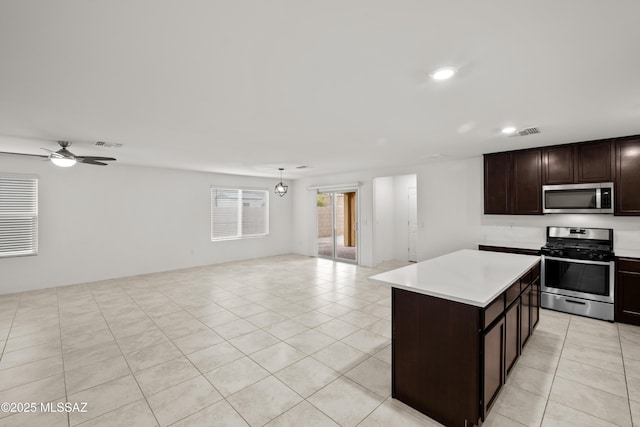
{"x": 65, "y": 158}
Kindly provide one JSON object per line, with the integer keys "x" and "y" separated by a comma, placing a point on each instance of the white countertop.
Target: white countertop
{"x": 467, "y": 276}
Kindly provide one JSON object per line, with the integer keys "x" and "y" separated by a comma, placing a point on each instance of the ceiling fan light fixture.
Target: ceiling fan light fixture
{"x": 280, "y": 188}
{"x": 63, "y": 162}
{"x": 443, "y": 73}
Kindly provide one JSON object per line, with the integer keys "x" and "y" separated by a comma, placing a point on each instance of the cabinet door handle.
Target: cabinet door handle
{"x": 576, "y": 302}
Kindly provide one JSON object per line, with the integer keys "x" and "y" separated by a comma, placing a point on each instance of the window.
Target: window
{"x": 18, "y": 215}
{"x": 237, "y": 213}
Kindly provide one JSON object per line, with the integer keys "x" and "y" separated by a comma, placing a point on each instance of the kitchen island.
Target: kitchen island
{"x": 459, "y": 323}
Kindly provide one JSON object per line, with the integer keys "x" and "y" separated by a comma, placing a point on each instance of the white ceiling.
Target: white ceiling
{"x": 248, "y": 86}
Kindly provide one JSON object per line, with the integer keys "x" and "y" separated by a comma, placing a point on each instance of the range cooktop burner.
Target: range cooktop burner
{"x": 579, "y": 243}
{"x": 578, "y": 246}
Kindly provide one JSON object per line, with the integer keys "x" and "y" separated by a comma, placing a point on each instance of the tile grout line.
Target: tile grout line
{"x": 13, "y": 319}
{"x": 340, "y": 374}
{"x": 555, "y": 372}
{"x": 585, "y": 385}
{"x": 624, "y": 371}
{"x": 273, "y": 374}
{"x": 186, "y": 357}
{"x": 277, "y": 379}
{"x": 123, "y": 356}
{"x": 64, "y": 371}
{"x": 203, "y": 374}
{"x": 183, "y": 354}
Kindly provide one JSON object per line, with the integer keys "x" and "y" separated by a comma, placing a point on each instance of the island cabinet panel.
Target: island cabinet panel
{"x": 493, "y": 348}
{"x": 435, "y": 355}
{"x": 557, "y": 164}
{"x": 525, "y": 316}
{"x": 535, "y": 302}
{"x": 627, "y": 196}
{"x": 594, "y": 162}
{"x": 493, "y": 311}
{"x": 627, "y": 292}
{"x": 512, "y": 335}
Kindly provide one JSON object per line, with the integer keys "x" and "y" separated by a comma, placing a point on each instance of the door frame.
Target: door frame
{"x": 409, "y": 191}
{"x": 315, "y": 239}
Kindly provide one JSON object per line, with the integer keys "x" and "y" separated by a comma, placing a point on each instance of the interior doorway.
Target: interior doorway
{"x": 395, "y": 218}
{"x": 337, "y": 225}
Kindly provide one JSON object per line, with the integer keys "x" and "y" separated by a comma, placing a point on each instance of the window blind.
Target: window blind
{"x": 18, "y": 215}
{"x": 238, "y": 213}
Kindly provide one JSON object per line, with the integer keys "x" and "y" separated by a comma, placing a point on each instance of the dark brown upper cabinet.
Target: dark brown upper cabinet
{"x": 594, "y": 162}
{"x": 513, "y": 183}
{"x": 627, "y": 193}
{"x": 557, "y": 162}
{"x": 526, "y": 182}
{"x": 578, "y": 163}
{"x": 497, "y": 179}
{"x": 513, "y": 180}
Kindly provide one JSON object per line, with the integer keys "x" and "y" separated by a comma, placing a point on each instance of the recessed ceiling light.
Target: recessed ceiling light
{"x": 443, "y": 73}
{"x": 508, "y": 130}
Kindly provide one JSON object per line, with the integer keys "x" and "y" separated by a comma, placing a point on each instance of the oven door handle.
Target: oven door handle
{"x": 577, "y": 261}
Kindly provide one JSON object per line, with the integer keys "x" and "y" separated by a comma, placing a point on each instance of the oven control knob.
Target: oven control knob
{"x": 556, "y": 252}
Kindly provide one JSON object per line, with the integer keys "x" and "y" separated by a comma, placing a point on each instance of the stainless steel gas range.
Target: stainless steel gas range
{"x": 578, "y": 271}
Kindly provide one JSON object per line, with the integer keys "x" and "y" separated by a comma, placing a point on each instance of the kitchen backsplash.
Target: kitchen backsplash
{"x": 627, "y": 239}
{"x": 514, "y": 234}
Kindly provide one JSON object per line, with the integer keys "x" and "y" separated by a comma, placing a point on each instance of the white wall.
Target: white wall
{"x": 401, "y": 185}
{"x": 532, "y": 228}
{"x": 104, "y": 222}
{"x": 449, "y": 206}
{"x": 384, "y": 219}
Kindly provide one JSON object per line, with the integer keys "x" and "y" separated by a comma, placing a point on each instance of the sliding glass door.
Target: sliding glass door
{"x": 338, "y": 225}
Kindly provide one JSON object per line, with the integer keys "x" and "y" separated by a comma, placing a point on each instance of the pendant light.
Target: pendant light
{"x": 281, "y": 189}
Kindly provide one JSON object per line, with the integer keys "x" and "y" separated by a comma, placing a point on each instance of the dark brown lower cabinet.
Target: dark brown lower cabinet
{"x": 627, "y": 292}
{"x": 493, "y": 346}
{"x": 525, "y": 316}
{"x": 449, "y": 359}
{"x": 535, "y": 302}
{"x": 435, "y": 355}
{"x": 512, "y": 337}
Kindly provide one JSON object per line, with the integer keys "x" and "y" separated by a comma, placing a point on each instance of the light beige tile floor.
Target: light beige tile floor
{"x": 278, "y": 341}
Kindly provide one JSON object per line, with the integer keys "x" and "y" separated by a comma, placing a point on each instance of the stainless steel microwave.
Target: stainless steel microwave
{"x": 578, "y": 198}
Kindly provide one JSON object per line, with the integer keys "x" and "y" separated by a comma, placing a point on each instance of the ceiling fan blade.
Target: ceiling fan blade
{"x": 91, "y": 161}
{"x": 24, "y": 154}
{"x": 101, "y": 159}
